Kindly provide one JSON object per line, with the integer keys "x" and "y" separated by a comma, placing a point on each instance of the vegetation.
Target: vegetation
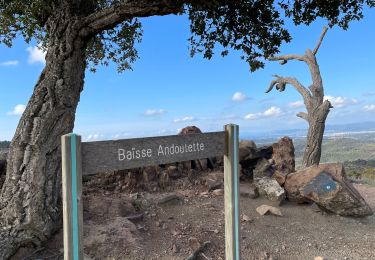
{"x": 340, "y": 150}
{"x": 4, "y": 144}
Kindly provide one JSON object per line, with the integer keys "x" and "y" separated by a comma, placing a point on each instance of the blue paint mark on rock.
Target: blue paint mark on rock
{"x": 322, "y": 185}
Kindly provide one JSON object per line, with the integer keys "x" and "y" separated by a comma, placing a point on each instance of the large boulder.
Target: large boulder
{"x": 270, "y": 188}
{"x": 328, "y": 187}
{"x": 283, "y": 158}
{"x": 199, "y": 164}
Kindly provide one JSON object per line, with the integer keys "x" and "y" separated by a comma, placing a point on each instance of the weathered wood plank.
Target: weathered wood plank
{"x": 231, "y": 193}
{"x": 105, "y": 156}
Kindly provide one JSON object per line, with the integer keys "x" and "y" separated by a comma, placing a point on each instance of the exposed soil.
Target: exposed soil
{"x": 120, "y": 224}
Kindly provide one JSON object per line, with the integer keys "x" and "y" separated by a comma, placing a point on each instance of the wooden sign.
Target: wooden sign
{"x": 106, "y": 156}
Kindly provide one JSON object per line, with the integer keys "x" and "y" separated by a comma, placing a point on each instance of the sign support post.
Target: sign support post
{"x": 231, "y": 193}
{"x": 72, "y": 196}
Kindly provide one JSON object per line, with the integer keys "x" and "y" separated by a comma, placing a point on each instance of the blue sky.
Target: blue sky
{"x": 168, "y": 90}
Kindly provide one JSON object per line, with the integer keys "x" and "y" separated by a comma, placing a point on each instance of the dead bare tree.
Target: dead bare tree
{"x": 313, "y": 97}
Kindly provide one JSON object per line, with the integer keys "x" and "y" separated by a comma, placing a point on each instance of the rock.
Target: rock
{"x": 163, "y": 179}
{"x": 213, "y": 184}
{"x": 194, "y": 243}
{"x": 150, "y": 173}
{"x": 283, "y": 155}
{"x": 270, "y": 188}
{"x": 328, "y": 187}
{"x": 169, "y": 199}
{"x": 249, "y": 191}
{"x": 263, "y": 168}
{"x": 280, "y": 176}
{"x": 186, "y": 165}
{"x": 173, "y": 172}
{"x": 249, "y": 157}
{"x": 247, "y": 143}
{"x": 190, "y": 130}
{"x": 200, "y": 164}
{"x": 264, "y": 209}
{"x": 319, "y": 258}
{"x": 265, "y": 152}
{"x": 246, "y": 218}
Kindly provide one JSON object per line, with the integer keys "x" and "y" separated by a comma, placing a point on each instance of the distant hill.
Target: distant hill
{"x": 336, "y": 148}
{"x": 330, "y": 130}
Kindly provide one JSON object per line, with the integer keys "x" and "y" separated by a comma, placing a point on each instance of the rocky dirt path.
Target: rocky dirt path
{"x": 169, "y": 225}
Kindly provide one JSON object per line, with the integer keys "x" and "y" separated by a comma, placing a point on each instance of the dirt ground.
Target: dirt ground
{"x": 171, "y": 224}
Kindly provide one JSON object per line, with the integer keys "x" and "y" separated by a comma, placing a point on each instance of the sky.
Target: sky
{"x": 168, "y": 90}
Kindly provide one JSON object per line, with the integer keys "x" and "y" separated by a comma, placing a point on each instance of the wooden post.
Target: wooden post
{"x": 231, "y": 193}
{"x": 72, "y": 194}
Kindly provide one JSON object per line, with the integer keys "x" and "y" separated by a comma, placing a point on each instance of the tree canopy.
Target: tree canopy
{"x": 256, "y": 28}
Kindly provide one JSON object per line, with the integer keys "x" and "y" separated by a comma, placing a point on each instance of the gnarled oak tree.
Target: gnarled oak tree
{"x": 84, "y": 33}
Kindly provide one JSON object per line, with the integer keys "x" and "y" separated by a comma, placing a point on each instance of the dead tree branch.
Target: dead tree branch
{"x": 320, "y": 40}
{"x": 281, "y": 82}
{"x": 313, "y": 97}
{"x": 303, "y": 115}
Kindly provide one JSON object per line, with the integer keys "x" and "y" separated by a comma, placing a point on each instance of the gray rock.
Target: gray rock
{"x": 270, "y": 188}
{"x": 169, "y": 199}
{"x": 248, "y": 191}
{"x": 263, "y": 168}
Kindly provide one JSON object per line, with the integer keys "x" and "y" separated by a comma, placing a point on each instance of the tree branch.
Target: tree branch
{"x": 303, "y": 115}
{"x": 320, "y": 40}
{"x": 280, "y": 83}
{"x": 284, "y": 58}
{"x": 114, "y": 15}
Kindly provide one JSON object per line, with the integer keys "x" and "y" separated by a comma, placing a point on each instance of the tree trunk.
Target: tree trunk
{"x": 30, "y": 201}
{"x": 313, "y": 148}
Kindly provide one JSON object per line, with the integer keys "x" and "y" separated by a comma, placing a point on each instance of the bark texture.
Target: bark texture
{"x": 30, "y": 199}
{"x": 313, "y": 98}
{"x": 30, "y": 203}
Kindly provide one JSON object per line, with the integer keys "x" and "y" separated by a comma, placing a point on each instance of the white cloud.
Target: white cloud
{"x": 339, "y": 101}
{"x": 271, "y": 112}
{"x": 296, "y": 104}
{"x": 9, "y": 63}
{"x": 94, "y": 137}
{"x": 154, "y": 112}
{"x": 120, "y": 135}
{"x": 238, "y": 97}
{"x": 251, "y": 117}
{"x": 36, "y": 55}
{"x": 369, "y": 107}
{"x": 17, "y": 110}
{"x": 185, "y": 119}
